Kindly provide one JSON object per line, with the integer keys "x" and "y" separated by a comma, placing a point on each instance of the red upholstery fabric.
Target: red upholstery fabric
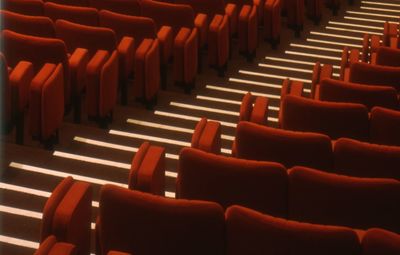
{"x": 27, "y": 7}
{"x": 28, "y": 25}
{"x": 348, "y": 58}
{"x": 67, "y": 214}
{"x": 248, "y": 29}
{"x": 390, "y": 30}
{"x": 147, "y": 70}
{"x": 250, "y": 232}
{"x": 385, "y": 126}
{"x": 360, "y": 203}
{"x": 257, "y": 113}
{"x": 387, "y": 56}
{"x": 272, "y": 20}
{"x": 81, "y": 15}
{"x": 87, "y": 37}
{"x": 301, "y": 114}
{"x": 6, "y": 93}
{"x": 228, "y": 181}
{"x": 356, "y": 158}
{"x": 370, "y": 96}
{"x": 207, "y": 136}
{"x": 19, "y": 47}
{"x": 286, "y": 147}
{"x": 70, "y": 2}
{"x": 181, "y": 19}
{"x": 46, "y": 99}
{"x": 147, "y": 172}
{"x": 295, "y": 13}
{"x": 375, "y": 75}
{"x": 128, "y": 7}
{"x": 140, "y": 223}
{"x": 51, "y": 246}
{"x": 378, "y": 241}
{"x": 320, "y": 72}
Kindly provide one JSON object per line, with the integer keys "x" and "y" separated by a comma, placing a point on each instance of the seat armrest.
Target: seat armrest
{"x": 20, "y": 80}
{"x": 126, "y": 54}
{"x": 259, "y": 114}
{"x": 344, "y": 63}
{"x": 232, "y": 11}
{"x": 201, "y": 23}
{"x": 78, "y": 62}
{"x": 166, "y": 39}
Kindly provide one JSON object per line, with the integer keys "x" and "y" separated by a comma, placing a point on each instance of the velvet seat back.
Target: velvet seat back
{"x": 81, "y": 15}
{"x": 27, "y": 7}
{"x": 128, "y": 7}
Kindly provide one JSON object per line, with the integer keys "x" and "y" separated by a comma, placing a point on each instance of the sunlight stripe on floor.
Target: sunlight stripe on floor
{"x": 380, "y": 3}
{"x": 41, "y": 170}
{"x": 35, "y": 192}
{"x": 363, "y": 19}
{"x": 157, "y": 139}
{"x": 257, "y": 83}
{"x": 354, "y": 25}
{"x": 334, "y": 43}
{"x": 353, "y": 30}
{"x": 202, "y": 108}
{"x": 315, "y": 48}
{"x": 171, "y": 128}
{"x": 311, "y": 55}
{"x": 379, "y": 9}
{"x": 191, "y": 118}
{"x": 21, "y": 212}
{"x": 219, "y": 100}
{"x": 301, "y": 70}
{"x": 149, "y": 138}
{"x": 373, "y": 14}
{"x": 19, "y": 242}
{"x": 91, "y": 160}
{"x": 116, "y": 146}
{"x": 337, "y": 36}
{"x": 273, "y": 76}
{"x": 287, "y": 60}
{"x": 238, "y": 91}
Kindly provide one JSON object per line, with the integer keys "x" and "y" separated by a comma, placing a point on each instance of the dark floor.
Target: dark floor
{"x": 29, "y": 173}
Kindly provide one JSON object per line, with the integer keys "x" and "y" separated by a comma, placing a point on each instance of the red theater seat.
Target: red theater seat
{"x": 320, "y": 72}
{"x": 15, "y": 85}
{"x": 46, "y": 91}
{"x": 128, "y": 7}
{"x": 81, "y": 15}
{"x": 151, "y": 49}
{"x": 67, "y": 214}
{"x": 390, "y": 30}
{"x": 26, "y": 24}
{"x": 361, "y": 159}
{"x": 83, "y": 3}
{"x": 360, "y": 203}
{"x": 181, "y": 19}
{"x": 375, "y": 75}
{"x": 91, "y": 33}
{"x": 386, "y": 56}
{"x": 39, "y": 51}
{"x": 333, "y": 119}
{"x": 231, "y": 181}
{"x": 289, "y": 148}
{"x": 102, "y": 69}
{"x": 27, "y": 7}
{"x": 148, "y": 170}
{"x": 368, "y": 95}
{"x": 272, "y": 21}
{"x": 250, "y": 232}
{"x": 51, "y": 246}
{"x": 140, "y": 223}
{"x": 380, "y": 242}
{"x": 255, "y": 111}
{"x": 207, "y": 136}
{"x": 294, "y": 10}
{"x": 349, "y": 56}
{"x": 385, "y": 126}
